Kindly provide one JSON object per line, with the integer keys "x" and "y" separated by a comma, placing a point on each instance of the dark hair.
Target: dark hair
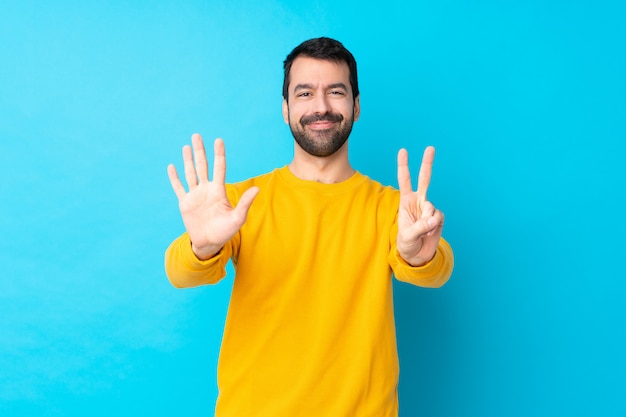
{"x": 326, "y": 49}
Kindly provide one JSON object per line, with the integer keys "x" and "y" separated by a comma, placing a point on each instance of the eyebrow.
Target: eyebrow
{"x": 310, "y": 86}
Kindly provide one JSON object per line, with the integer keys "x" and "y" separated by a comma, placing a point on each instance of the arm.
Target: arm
{"x": 209, "y": 218}
{"x": 184, "y": 269}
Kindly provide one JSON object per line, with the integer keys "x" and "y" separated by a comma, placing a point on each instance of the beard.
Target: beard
{"x": 324, "y": 142}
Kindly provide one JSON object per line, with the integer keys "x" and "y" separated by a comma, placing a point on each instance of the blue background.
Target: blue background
{"x": 525, "y": 102}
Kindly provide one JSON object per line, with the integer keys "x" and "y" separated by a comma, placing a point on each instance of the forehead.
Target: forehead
{"x": 307, "y": 70}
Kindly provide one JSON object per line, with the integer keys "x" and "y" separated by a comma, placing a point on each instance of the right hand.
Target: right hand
{"x": 208, "y": 216}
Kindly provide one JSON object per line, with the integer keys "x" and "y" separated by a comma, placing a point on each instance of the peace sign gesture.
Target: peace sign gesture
{"x": 419, "y": 223}
{"x": 208, "y": 216}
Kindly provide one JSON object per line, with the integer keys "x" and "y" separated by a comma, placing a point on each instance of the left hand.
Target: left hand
{"x": 419, "y": 223}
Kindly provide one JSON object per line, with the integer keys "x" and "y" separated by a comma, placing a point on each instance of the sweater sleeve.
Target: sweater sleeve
{"x": 185, "y": 270}
{"x": 432, "y": 275}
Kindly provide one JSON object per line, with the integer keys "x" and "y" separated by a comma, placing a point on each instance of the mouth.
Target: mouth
{"x": 321, "y": 122}
{"x": 321, "y": 125}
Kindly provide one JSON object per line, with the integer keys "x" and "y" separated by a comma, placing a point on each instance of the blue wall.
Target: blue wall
{"x": 525, "y": 102}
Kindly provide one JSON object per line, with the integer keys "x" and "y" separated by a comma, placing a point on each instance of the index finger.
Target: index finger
{"x": 404, "y": 177}
{"x": 426, "y": 171}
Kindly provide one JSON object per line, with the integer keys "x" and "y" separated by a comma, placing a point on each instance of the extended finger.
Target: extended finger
{"x": 426, "y": 170}
{"x": 177, "y": 186}
{"x": 202, "y": 168}
{"x": 404, "y": 176}
{"x": 245, "y": 202}
{"x": 219, "y": 161}
{"x": 190, "y": 170}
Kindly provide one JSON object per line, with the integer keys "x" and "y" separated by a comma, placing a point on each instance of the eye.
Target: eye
{"x": 303, "y": 94}
{"x": 337, "y": 93}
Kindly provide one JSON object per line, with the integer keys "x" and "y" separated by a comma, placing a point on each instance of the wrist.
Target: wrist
{"x": 415, "y": 261}
{"x": 206, "y": 252}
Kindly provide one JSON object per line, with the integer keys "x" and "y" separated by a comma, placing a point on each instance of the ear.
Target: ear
{"x": 285, "y": 111}
{"x": 357, "y": 107}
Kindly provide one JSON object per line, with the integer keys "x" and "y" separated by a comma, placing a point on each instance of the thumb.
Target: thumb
{"x": 424, "y": 226}
{"x": 245, "y": 202}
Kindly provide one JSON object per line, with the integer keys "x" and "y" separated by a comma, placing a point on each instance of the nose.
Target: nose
{"x": 320, "y": 104}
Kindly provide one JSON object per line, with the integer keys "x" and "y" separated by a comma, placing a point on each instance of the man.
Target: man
{"x": 310, "y": 327}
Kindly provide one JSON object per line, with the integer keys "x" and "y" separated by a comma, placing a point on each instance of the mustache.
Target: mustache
{"x": 327, "y": 117}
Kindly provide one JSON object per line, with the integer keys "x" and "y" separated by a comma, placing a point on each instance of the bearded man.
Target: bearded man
{"x": 310, "y": 326}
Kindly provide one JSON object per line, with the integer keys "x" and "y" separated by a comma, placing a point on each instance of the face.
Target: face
{"x": 321, "y": 108}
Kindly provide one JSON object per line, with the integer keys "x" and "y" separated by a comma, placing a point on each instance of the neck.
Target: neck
{"x": 328, "y": 170}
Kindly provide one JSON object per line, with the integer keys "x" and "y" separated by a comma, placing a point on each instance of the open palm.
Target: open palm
{"x": 207, "y": 214}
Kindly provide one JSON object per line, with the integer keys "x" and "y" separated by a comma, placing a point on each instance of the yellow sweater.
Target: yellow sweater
{"x": 310, "y": 327}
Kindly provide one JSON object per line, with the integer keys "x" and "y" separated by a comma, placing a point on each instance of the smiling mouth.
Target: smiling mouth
{"x": 321, "y": 121}
{"x": 321, "y": 125}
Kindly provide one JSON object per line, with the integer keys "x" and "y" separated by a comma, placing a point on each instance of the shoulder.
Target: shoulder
{"x": 376, "y": 188}
{"x": 236, "y": 189}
